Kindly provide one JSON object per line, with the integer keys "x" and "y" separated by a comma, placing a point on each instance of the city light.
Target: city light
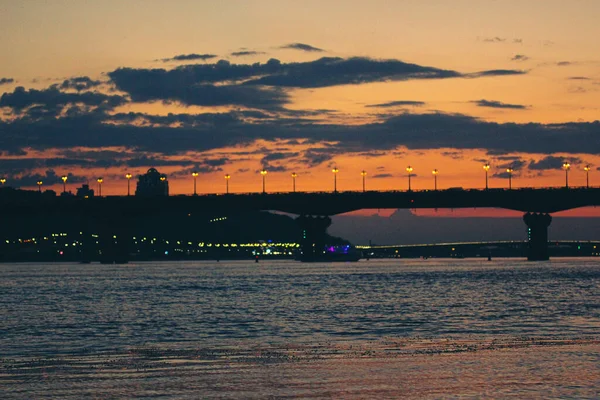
{"x": 39, "y": 183}
{"x": 128, "y": 176}
{"x": 510, "y": 171}
{"x": 587, "y": 176}
{"x": 227, "y": 177}
{"x": 195, "y": 175}
{"x": 64, "y": 179}
{"x": 100, "y": 180}
{"x": 566, "y": 167}
{"x": 335, "y": 171}
{"x": 294, "y": 175}
{"x": 486, "y": 168}
{"x": 435, "y": 174}
{"x": 263, "y": 172}
{"x": 409, "y": 169}
{"x": 363, "y": 173}
{"x": 2, "y": 181}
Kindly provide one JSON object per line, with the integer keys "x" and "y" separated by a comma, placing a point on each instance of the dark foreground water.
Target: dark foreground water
{"x": 278, "y": 329}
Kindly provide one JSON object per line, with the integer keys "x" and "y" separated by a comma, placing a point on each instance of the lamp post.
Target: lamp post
{"x": 486, "y": 168}
{"x": 587, "y": 176}
{"x": 128, "y": 176}
{"x": 409, "y": 169}
{"x": 566, "y": 166}
{"x": 195, "y": 175}
{"x": 335, "y": 171}
{"x": 64, "y": 179}
{"x": 100, "y": 180}
{"x": 510, "y": 171}
{"x": 363, "y": 173}
{"x": 2, "y": 181}
{"x": 435, "y": 174}
{"x": 263, "y": 172}
{"x": 227, "y": 177}
{"x": 39, "y": 183}
{"x": 294, "y": 175}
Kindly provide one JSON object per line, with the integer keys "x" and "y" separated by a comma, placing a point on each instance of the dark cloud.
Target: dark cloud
{"x": 246, "y": 53}
{"x": 6, "y": 81}
{"x": 398, "y": 103}
{"x": 80, "y": 83}
{"x": 190, "y": 57}
{"x": 382, "y": 176}
{"x": 498, "y": 104}
{"x": 495, "y": 72}
{"x": 520, "y": 57}
{"x": 255, "y": 85}
{"x": 52, "y": 98}
{"x": 276, "y": 156}
{"x": 187, "y": 86}
{"x": 564, "y": 63}
{"x": 413, "y": 131}
{"x": 579, "y": 78}
{"x": 48, "y": 178}
{"x": 302, "y": 47}
{"x": 551, "y": 162}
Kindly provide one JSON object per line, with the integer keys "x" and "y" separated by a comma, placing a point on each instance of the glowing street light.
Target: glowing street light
{"x": 263, "y": 172}
{"x": 587, "y": 176}
{"x": 128, "y": 176}
{"x": 227, "y": 177}
{"x": 100, "y": 180}
{"x": 510, "y": 171}
{"x": 566, "y": 166}
{"x": 294, "y": 176}
{"x": 486, "y": 168}
{"x": 363, "y": 173}
{"x": 195, "y": 175}
{"x": 64, "y": 179}
{"x": 39, "y": 183}
{"x": 2, "y": 181}
{"x": 335, "y": 171}
{"x": 409, "y": 169}
{"x": 435, "y": 174}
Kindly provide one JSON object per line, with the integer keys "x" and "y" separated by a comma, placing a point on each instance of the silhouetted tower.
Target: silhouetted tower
{"x": 152, "y": 183}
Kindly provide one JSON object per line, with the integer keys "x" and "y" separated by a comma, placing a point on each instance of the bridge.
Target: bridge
{"x": 315, "y": 208}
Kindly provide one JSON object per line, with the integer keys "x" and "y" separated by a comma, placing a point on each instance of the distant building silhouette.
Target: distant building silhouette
{"x": 152, "y": 183}
{"x": 85, "y": 191}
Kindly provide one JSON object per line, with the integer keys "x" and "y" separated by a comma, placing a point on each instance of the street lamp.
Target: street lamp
{"x": 263, "y": 172}
{"x": 64, "y": 179}
{"x": 510, "y": 171}
{"x": 486, "y": 168}
{"x": 128, "y": 176}
{"x": 435, "y": 174}
{"x": 409, "y": 169}
{"x": 566, "y": 166}
{"x": 195, "y": 175}
{"x": 227, "y": 177}
{"x": 294, "y": 175}
{"x": 587, "y": 176}
{"x": 39, "y": 183}
{"x": 363, "y": 173}
{"x": 335, "y": 170}
{"x": 2, "y": 181}
{"x": 100, "y": 180}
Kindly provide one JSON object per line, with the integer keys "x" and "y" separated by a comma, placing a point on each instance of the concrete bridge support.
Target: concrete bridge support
{"x": 314, "y": 233}
{"x": 537, "y": 236}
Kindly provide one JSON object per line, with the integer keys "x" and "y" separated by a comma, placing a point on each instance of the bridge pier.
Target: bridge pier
{"x": 537, "y": 235}
{"x": 314, "y": 233}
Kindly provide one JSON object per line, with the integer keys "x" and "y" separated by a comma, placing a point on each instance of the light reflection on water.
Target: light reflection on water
{"x": 420, "y": 328}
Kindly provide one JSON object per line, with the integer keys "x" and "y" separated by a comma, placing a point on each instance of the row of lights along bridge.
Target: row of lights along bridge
{"x": 335, "y": 170}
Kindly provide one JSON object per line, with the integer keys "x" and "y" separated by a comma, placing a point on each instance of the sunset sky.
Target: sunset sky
{"x": 102, "y": 88}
